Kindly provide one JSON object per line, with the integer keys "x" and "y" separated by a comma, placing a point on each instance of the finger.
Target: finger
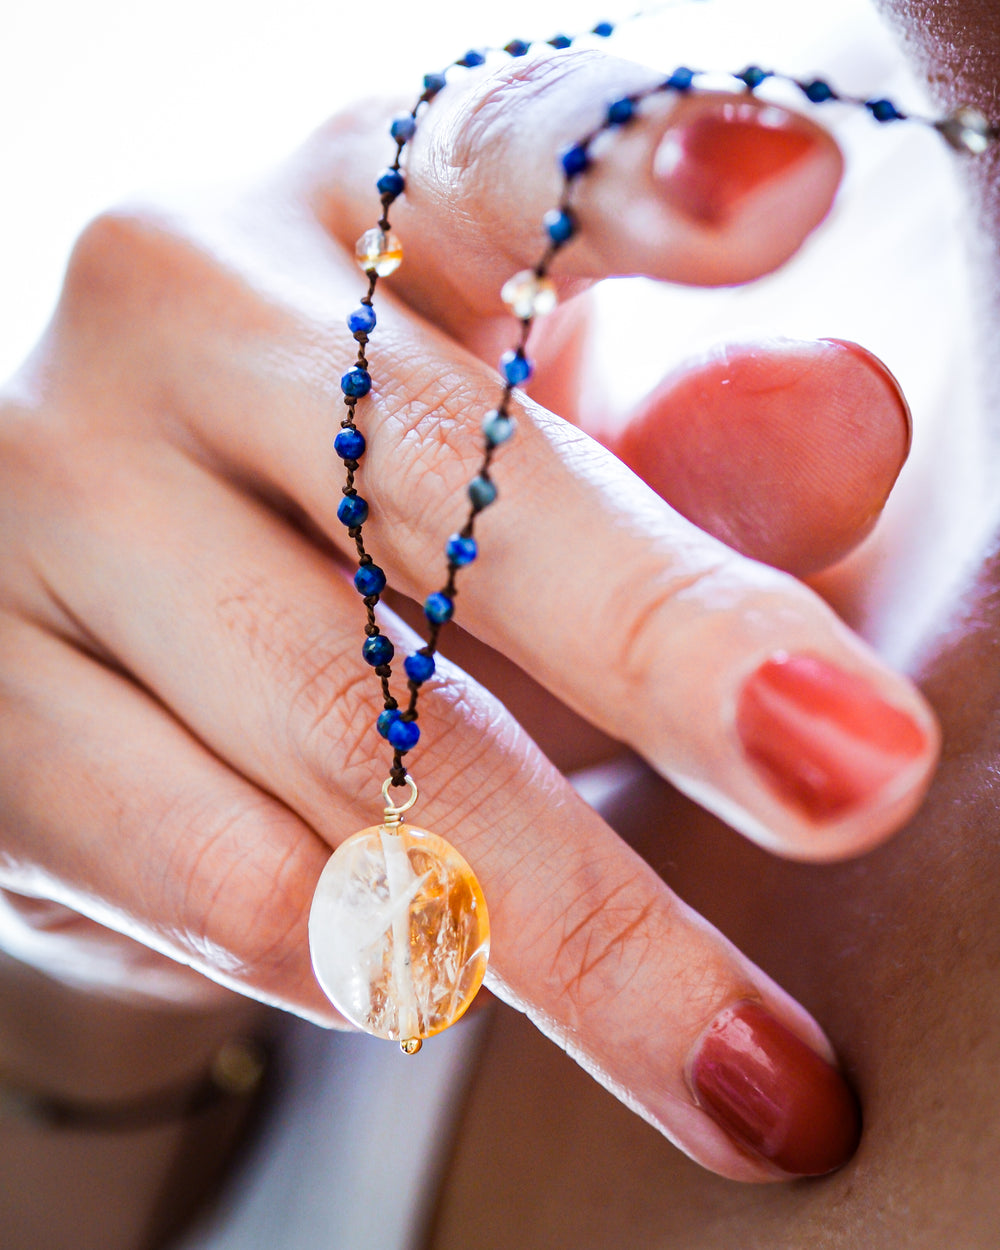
{"x": 720, "y": 188}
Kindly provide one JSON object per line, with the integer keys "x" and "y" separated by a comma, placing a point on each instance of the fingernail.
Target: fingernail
{"x": 773, "y": 1094}
{"x": 823, "y": 738}
{"x": 709, "y": 163}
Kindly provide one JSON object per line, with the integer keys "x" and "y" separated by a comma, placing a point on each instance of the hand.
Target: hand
{"x": 187, "y": 728}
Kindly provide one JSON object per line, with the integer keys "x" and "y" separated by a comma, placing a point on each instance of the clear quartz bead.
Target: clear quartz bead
{"x": 399, "y": 932}
{"x": 527, "y": 295}
{"x": 967, "y": 130}
{"x": 379, "y": 250}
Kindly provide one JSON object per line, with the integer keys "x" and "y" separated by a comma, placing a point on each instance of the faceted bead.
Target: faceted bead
{"x": 379, "y": 250}
{"x": 403, "y": 734}
{"x": 482, "y": 492}
{"x": 753, "y": 76}
{"x": 391, "y": 182}
{"x": 559, "y": 224}
{"x": 967, "y": 130}
{"x": 604, "y": 30}
{"x": 516, "y": 367}
{"x": 883, "y": 110}
{"x": 471, "y": 59}
{"x": 403, "y": 128}
{"x": 362, "y": 320}
{"x": 399, "y": 932}
{"x": 574, "y": 160}
{"x": 356, "y": 382}
{"x": 353, "y": 511}
{"x": 818, "y": 91}
{"x": 369, "y": 580}
{"x": 433, "y": 83}
{"x": 497, "y": 428}
{"x": 438, "y": 608}
{"x": 517, "y": 47}
{"x": 387, "y": 718}
{"x": 349, "y": 444}
{"x": 560, "y": 42}
{"x": 461, "y": 550}
{"x": 620, "y": 111}
{"x": 419, "y": 667}
{"x": 527, "y": 295}
{"x": 680, "y": 80}
{"x": 377, "y": 650}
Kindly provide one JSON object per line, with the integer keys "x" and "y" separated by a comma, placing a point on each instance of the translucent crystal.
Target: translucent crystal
{"x": 399, "y": 932}
{"x": 967, "y": 130}
{"x": 379, "y": 250}
{"x": 528, "y": 295}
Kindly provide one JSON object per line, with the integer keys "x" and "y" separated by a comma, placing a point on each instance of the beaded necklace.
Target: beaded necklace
{"x": 399, "y": 930}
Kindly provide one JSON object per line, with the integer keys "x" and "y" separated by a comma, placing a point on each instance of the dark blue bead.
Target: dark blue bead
{"x": 574, "y": 160}
{"x": 419, "y": 668}
{"x": 369, "y": 580}
{"x": 362, "y": 320}
{"x": 433, "y": 83}
{"x": 680, "y": 80}
{"x": 753, "y": 76}
{"x": 818, "y": 91}
{"x": 353, "y": 511}
{"x": 438, "y": 608}
{"x": 516, "y": 367}
{"x": 560, "y": 42}
{"x": 460, "y": 550}
{"x": 471, "y": 59}
{"x": 387, "y": 718}
{"x": 349, "y": 444}
{"x": 377, "y": 650}
{"x": 559, "y": 225}
{"x": 403, "y": 128}
{"x": 391, "y": 182}
{"x": 883, "y": 110}
{"x": 403, "y": 734}
{"x": 517, "y": 47}
{"x": 356, "y": 382}
{"x": 621, "y": 111}
{"x": 482, "y": 492}
{"x": 497, "y": 428}
{"x": 604, "y": 30}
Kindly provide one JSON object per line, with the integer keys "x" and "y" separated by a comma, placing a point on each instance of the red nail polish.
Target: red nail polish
{"x": 707, "y": 165}
{"x": 773, "y": 1094}
{"x": 823, "y": 738}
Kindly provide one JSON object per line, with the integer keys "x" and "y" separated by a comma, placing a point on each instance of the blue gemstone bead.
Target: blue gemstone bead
{"x": 433, "y": 83}
{"x": 403, "y": 128}
{"x": 353, "y": 511}
{"x": 471, "y": 59}
{"x": 560, "y": 42}
{"x": 356, "y": 382}
{"x": 378, "y": 650}
{"x": 362, "y": 320}
{"x": 883, "y": 110}
{"x": 369, "y": 580}
{"x": 438, "y": 608}
{"x": 387, "y": 718}
{"x": 403, "y": 734}
{"x": 753, "y": 76}
{"x": 621, "y": 111}
{"x": 574, "y": 160}
{"x": 559, "y": 225}
{"x": 681, "y": 79}
{"x": 460, "y": 550}
{"x": 482, "y": 492}
{"x": 419, "y": 668}
{"x": 349, "y": 444}
{"x": 517, "y": 47}
{"x": 818, "y": 91}
{"x": 497, "y": 428}
{"x": 391, "y": 182}
{"x": 604, "y": 30}
{"x": 516, "y": 367}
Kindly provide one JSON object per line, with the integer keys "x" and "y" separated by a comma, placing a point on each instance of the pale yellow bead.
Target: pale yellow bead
{"x": 379, "y": 250}
{"x": 967, "y": 130}
{"x": 528, "y": 295}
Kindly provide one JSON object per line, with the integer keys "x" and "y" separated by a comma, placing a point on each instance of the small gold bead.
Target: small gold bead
{"x": 410, "y": 1045}
{"x": 528, "y": 295}
{"x": 379, "y": 250}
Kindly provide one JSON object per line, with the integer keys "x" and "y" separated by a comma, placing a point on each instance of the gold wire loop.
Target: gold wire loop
{"x": 394, "y": 811}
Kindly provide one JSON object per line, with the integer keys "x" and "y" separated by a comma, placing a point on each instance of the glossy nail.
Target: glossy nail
{"x": 709, "y": 163}
{"x": 773, "y": 1094}
{"x": 822, "y": 737}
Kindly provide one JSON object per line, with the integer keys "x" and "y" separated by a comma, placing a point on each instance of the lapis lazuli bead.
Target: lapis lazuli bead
{"x": 818, "y": 91}
{"x": 559, "y": 225}
{"x": 438, "y": 608}
{"x": 349, "y": 444}
{"x": 516, "y": 367}
{"x": 362, "y": 320}
{"x": 403, "y": 734}
{"x": 419, "y": 667}
{"x": 433, "y": 83}
{"x": 353, "y": 511}
{"x": 883, "y": 110}
{"x": 378, "y": 650}
{"x": 356, "y": 382}
{"x": 391, "y": 182}
{"x": 681, "y": 79}
{"x": 461, "y": 550}
{"x": 753, "y": 76}
{"x": 471, "y": 59}
{"x": 369, "y": 580}
{"x": 560, "y": 42}
{"x": 403, "y": 128}
{"x": 386, "y": 718}
{"x": 621, "y": 111}
{"x": 604, "y": 30}
{"x": 574, "y": 160}
{"x": 482, "y": 492}
{"x": 497, "y": 428}
{"x": 517, "y": 47}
